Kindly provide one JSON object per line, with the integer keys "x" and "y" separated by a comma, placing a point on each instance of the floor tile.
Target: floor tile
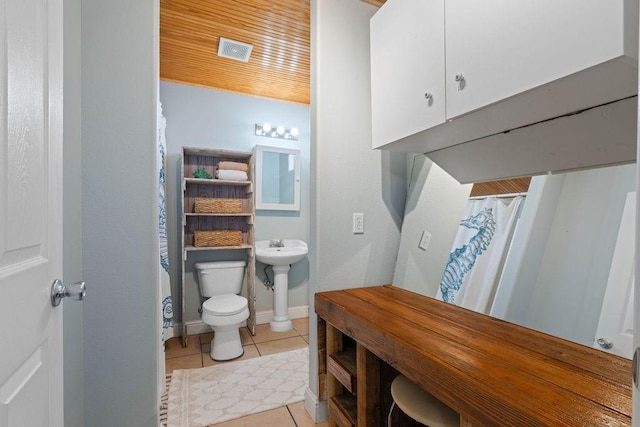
{"x": 302, "y": 417}
{"x": 206, "y": 338}
{"x": 184, "y": 362}
{"x": 306, "y": 338}
{"x": 301, "y": 325}
{"x": 250, "y": 351}
{"x": 264, "y": 334}
{"x": 278, "y": 346}
{"x": 173, "y": 347}
{"x": 278, "y": 417}
{"x": 245, "y": 336}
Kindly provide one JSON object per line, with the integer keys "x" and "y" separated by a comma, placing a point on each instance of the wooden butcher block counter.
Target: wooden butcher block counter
{"x": 493, "y": 373}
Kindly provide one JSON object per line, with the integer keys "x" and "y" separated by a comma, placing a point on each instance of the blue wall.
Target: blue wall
{"x": 199, "y": 117}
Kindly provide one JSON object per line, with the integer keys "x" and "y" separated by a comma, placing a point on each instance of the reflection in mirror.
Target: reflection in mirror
{"x": 277, "y": 178}
{"x": 554, "y": 272}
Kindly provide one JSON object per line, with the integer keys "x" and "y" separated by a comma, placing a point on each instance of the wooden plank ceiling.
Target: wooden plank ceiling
{"x": 507, "y": 186}
{"x": 279, "y": 66}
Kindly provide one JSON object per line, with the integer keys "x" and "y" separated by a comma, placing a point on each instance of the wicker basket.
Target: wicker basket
{"x": 211, "y": 205}
{"x": 217, "y": 238}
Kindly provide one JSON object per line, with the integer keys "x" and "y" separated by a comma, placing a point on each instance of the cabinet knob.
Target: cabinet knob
{"x": 461, "y": 81}
{"x": 429, "y": 97}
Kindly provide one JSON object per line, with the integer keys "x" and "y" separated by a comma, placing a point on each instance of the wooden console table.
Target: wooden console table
{"x": 493, "y": 373}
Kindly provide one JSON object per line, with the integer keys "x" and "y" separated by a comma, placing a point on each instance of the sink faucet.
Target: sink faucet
{"x": 276, "y": 243}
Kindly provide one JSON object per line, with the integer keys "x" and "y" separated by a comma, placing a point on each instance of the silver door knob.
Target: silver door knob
{"x": 77, "y": 291}
{"x": 461, "y": 81}
{"x": 605, "y": 343}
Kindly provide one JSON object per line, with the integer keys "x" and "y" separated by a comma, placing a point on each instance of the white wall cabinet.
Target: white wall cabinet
{"x": 407, "y": 68}
{"x": 506, "y": 66}
{"x": 505, "y": 48}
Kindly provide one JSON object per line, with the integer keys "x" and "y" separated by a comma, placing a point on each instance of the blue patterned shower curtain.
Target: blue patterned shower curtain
{"x": 165, "y": 284}
{"x": 475, "y": 262}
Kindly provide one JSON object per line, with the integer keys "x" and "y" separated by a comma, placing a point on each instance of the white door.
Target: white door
{"x": 615, "y": 328}
{"x": 30, "y": 212}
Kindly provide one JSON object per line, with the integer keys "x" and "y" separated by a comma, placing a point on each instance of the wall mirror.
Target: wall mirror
{"x": 563, "y": 257}
{"x": 277, "y": 177}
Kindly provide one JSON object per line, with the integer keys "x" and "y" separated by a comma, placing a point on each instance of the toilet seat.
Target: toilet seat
{"x": 224, "y": 305}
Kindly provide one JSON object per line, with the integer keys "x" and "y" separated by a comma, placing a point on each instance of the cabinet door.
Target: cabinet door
{"x": 407, "y": 69}
{"x": 505, "y": 47}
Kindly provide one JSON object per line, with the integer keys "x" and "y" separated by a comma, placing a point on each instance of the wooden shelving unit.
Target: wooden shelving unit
{"x": 352, "y": 381}
{"x": 343, "y": 410}
{"x": 192, "y": 188}
{"x": 342, "y": 366}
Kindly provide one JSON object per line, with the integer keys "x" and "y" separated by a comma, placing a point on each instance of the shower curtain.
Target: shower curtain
{"x": 475, "y": 262}
{"x": 165, "y": 284}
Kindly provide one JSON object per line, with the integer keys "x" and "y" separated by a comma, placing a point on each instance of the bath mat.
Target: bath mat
{"x": 164, "y": 401}
{"x": 204, "y": 396}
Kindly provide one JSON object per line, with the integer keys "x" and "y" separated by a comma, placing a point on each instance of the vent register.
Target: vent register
{"x": 234, "y": 50}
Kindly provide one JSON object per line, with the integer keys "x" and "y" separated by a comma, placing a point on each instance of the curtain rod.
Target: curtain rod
{"x": 499, "y": 196}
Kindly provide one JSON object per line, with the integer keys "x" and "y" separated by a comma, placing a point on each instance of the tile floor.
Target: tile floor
{"x": 196, "y": 355}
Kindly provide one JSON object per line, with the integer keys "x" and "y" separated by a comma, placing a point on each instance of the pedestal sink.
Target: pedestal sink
{"x": 280, "y": 258}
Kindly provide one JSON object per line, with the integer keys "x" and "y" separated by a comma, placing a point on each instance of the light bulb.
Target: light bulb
{"x": 266, "y": 127}
{"x": 294, "y": 132}
{"x": 280, "y": 130}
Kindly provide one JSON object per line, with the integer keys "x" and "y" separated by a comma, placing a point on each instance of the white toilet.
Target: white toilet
{"x": 225, "y": 309}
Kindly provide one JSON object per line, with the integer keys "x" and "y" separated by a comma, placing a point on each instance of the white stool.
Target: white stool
{"x": 420, "y": 405}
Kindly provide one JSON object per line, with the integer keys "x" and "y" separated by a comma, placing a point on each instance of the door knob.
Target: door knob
{"x": 77, "y": 291}
{"x": 605, "y": 343}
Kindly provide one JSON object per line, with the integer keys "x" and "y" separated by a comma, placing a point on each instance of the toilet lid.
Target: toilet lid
{"x": 224, "y": 305}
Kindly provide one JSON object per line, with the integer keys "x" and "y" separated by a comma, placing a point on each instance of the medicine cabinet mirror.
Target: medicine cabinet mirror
{"x": 277, "y": 176}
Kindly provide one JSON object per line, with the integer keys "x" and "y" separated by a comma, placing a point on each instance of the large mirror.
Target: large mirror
{"x": 277, "y": 178}
{"x": 570, "y": 249}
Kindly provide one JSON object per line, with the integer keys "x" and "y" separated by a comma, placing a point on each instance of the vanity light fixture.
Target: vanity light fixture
{"x": 280, "y": 132}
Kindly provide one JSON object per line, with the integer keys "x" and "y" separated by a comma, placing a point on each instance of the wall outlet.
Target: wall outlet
{"x": 358, "y": 223}
{"x": 425, "y": 239}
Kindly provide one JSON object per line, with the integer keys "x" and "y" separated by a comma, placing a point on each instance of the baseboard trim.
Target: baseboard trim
{"x": 316, "y": 409}
{"x": 298, "y": 312}
{"x": 262, "y": 317}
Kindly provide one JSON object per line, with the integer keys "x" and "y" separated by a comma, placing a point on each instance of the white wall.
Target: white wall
{"x": 199, "y": 117}
{"x": 348, "y": 176}
{"x": 435, "y": 203}
{"x": 72, "y": 219}
{"x": 119, "y": 212}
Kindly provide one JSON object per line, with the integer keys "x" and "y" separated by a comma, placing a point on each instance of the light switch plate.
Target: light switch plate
{"x": 425, "y": 239}
{"x": 358, "y": 223}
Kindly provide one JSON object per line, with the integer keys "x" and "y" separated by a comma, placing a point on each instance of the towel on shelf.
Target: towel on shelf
{"x": 236, "y": 166}
{"x": 231, "y": 175}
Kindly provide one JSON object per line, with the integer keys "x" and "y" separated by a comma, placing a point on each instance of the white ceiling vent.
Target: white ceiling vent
{"x": 234, "y": 50}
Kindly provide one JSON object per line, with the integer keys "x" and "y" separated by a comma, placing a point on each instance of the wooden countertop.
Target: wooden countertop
{"x": 491, "y": 371}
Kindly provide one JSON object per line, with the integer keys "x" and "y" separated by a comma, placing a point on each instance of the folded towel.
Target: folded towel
{"x": 231, "y": 175}
{"x": 236, "y": 166}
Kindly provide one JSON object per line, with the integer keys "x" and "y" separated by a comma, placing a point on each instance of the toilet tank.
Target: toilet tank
{"x": 220, "y": 278}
